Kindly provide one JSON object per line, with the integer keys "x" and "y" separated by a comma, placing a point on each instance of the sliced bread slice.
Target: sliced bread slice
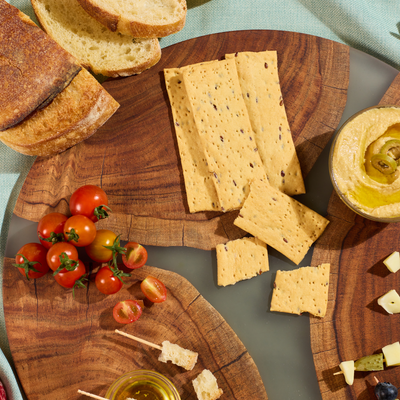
{"x": 144, "y": 18}
{"x": 33, "y": 67}
{"x": 104, "y": 52}
{"x": 74, "y": 115}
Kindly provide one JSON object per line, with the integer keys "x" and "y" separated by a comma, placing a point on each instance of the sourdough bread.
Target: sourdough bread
{"x": 74, "y": 115}
{"x": 104, "y": 52}
{"x": 144, "y": 18}
{"x": 33, "y": 67}
{"x": 206, "y": 386}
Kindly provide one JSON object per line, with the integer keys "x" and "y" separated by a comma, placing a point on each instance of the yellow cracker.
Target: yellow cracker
{"x": 224, "y": 128}
{"x": 259, "y": 80}
{"x": 200, "y": 190}
{"x": 280, "y": 221}
{"x": 241, "y": 259}
{"x": 302, "y": 290}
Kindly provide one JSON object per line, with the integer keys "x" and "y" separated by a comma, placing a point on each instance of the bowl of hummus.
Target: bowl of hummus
{"x": 364, "y": 163}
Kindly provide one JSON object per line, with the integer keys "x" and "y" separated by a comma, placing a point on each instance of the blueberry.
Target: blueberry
{"x": 385, "y": 391}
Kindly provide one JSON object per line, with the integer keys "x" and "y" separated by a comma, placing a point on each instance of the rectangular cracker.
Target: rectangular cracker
{"x": 302, "y": 290}
{"x": 200, "y": 191}
{"x": 280, "y": 221}
{"x": 241, "y": 259}
{"x": 224, "y": 128}
{"x": 259, "y": 80}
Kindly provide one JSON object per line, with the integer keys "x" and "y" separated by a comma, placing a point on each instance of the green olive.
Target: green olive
{"x": 373, "y": 362}
{"x": 392, "y": 149}
{"x": 384, "y": 163}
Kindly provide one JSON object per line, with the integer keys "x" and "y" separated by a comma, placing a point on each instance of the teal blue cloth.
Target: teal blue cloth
{"x": 371, "y": 26}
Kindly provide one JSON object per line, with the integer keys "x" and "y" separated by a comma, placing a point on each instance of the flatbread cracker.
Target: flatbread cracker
{"x": 302, "y": 290}
{"x": 241, "y": 259}
{"x": 224, "y": 128}
{"x": 200, "y": 190}
{"x": 280, "y": 221}
{"x": 259, "y": 80}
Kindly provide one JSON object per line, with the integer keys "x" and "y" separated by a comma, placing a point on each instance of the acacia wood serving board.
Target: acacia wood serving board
{"x": 355, "y": 325}
{"x": 134, "y": 156}
{"x": 61, "y": 344}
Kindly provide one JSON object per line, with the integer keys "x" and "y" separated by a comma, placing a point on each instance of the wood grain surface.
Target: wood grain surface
{"x": 355, "y": 325}
{"x": 134, "y": 156}
{"x": 61, "y": 344}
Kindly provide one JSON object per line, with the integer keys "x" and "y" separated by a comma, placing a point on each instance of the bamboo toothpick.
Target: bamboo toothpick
{"x": 93, "y": 396}
{"x": 156, "y": 346}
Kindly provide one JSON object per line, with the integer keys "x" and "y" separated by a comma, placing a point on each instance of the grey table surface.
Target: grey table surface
{"x": 279, "y": 343}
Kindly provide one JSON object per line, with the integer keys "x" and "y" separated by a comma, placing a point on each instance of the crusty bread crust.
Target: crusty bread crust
{"x": 73, "y": 116}
{"x": 102, "y": 51}
{"x": 142, "y": 25}
{"x": 33, "y": 67}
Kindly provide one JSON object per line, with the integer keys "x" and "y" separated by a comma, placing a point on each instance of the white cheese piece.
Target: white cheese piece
{"x": 347, "y": 368}
{"x": 393, "y": 262}
{"x": 390, "y": 302}
{"x": 391, "y": 352}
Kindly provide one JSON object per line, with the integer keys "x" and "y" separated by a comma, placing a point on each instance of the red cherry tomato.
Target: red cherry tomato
{"x": 154, "y": 289}
{"x": 50, "y": 229}
{"x": 91, "y": 201}
{"x": 79, "y": 230}
{"x": 31, "y": 260}
{"x": 69, "y": 279}
{"x": 107, "y": 282}
{"x": 135, "y": 255}
{"x": 62, "y": 254}
{"x": 96, "y": 250}
{"x": 127, "y": 311}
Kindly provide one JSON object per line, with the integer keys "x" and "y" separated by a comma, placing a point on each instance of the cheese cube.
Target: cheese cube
{"x": 391, "y": 353}
{"x": 393, "y": 262}
{"x": 390, "y": 302}
{"x": 347, "y": 368}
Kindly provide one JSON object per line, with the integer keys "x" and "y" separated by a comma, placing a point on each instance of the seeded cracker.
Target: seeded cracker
{"x": 259, "y": 80}
{"x": 302, "y": 290}
{"x": 200, "y": 190}
{"x": 224, "y": 128}
{"x": 241, "y": 259}
{"x": 280, "y": 221}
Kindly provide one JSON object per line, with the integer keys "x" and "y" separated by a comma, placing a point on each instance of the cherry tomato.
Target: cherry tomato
{"x": 61, "y": 255}
{"x": 50, "y": 229}
{"x": 127, "y": 311}
{"x": 96, "y": 250}
{"x": 107, "y": 282}
{"x": 135, "y": 255}
{"x": 31, "y": 260}
{"x": 79, "y": 230}
{"x": 91, "y": 201}
{"x": 70, "y": 279}
{"x": 154, "y": 289}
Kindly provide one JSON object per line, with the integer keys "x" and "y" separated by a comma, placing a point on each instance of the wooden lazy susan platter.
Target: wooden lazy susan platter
{"x": 134, "y": 156}
{"x": 355, "y": 325}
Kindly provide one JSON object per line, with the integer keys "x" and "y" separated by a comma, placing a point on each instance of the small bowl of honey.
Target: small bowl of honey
{"x": 142, "y": 385}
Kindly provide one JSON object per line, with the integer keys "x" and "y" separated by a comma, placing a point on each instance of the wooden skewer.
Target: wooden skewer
{"x": 92, "y": 395}
{"x": 156, "y": 346}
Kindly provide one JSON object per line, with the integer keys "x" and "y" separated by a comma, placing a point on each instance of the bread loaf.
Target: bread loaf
{"x": 74, "y": 115}
{"x": 144, "y": 18}
{"x": 33, "y": 68}
{"x": 97, "y": 48}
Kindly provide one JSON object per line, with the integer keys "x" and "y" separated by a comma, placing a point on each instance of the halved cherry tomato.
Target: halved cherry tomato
{"x": 62, "y": 255}
{"x": 31, "y": 260}
{"x": 70, "y": 279}
{"x": 79, "y": 230}
{"x": 50, "y": 229}
{"x": 91, "y": 201}
{"x": 108, "y": 281}
{"x": 97, "y": 250}
{"x": 154, "y": 289}
{"x": 127, "y": 311}
{"x": 135, "y": 255}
